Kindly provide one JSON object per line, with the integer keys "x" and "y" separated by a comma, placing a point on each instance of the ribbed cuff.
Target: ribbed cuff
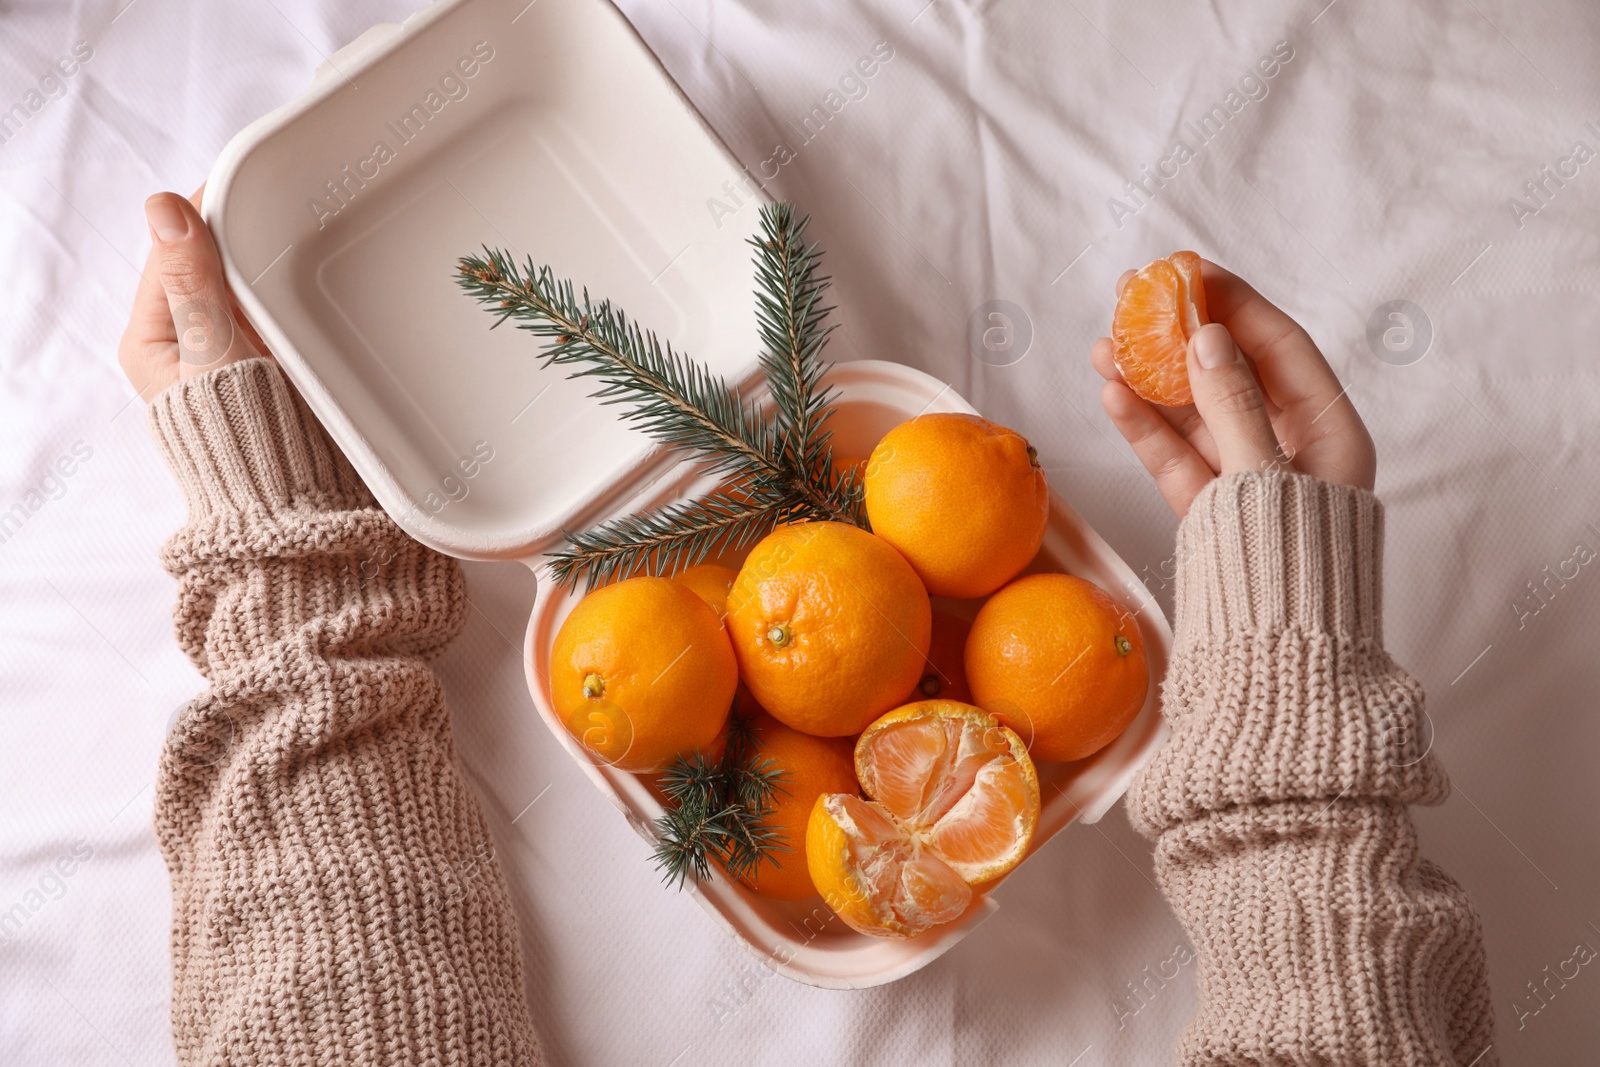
{"x": 1278, "y": 687}
{"x": 240, "y": 440}
{"x": 1262, "y": 552}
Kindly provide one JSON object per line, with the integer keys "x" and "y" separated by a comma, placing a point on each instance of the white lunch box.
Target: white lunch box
{"x": 549, "y": 129}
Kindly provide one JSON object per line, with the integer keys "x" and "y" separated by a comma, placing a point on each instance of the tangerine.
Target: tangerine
{"x": 830, "y": 625}
{"x": 1157, "y": 312}
{"x": 954, "y": 802}
{"x": 962, "y": 498}
{"x": 641, "y": 671}
{"x": 1061, "y": 662}
{"x": 811, "y": 766}
{"x": 711, "y": 582}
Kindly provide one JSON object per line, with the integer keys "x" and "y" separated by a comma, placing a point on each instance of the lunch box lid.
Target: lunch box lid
{"x": 547, "y": 129}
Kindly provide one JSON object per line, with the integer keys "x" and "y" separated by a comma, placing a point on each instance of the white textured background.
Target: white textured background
{"x": 978, "y": 166}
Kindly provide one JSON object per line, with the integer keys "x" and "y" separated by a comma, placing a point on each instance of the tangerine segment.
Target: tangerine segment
{"x": 1191, "y": 292}
{"x": 918, "y": 762}
{"x": 994, "y": 818}
{"x": 1159, "y": 310}
{"x": 954, "y": 803}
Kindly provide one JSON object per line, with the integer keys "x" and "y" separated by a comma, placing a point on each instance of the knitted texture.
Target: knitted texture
{"x": 1279, "y": 806}
{"x": 336, "y": 897}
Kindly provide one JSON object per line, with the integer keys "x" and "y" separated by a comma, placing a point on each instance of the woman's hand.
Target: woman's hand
{"x": 185, "y": 321}
{"x": 1276, "y": 406}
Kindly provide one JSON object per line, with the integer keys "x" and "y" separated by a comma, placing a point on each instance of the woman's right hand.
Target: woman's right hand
{"x": 1276, "y": 405}
{"x": 185, "y": 320}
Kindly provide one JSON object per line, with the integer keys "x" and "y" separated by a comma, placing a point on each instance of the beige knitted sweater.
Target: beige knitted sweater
{"x": 1279, "y": 806}
{"x": 335, "y": 895}
{"x": 336, "y": 898}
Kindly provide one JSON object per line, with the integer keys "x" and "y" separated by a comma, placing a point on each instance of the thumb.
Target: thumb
{"x": 1229, "y": 400}
{"x": 190, "y": 272}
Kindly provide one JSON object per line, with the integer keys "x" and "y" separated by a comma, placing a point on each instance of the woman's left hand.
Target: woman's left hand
{"x": 185, "y": 320}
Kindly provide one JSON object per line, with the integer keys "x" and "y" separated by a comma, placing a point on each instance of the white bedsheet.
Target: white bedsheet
{"x": 979, "y": 163}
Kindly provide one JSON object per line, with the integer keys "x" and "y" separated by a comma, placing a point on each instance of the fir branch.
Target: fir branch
{"x": 666, "y": 539}
{"x": 749, "y": 844}
{"x": 742, "y": 737}
{"x": 672, "y": 398}
{"x": 757, "y": 783}
{"x": 678, "y": 401}
{"x": 794, "y": 329}
{"x": 691, "y": 780}
{"x": 716, "y": 811}
{"x": 683, "y": 847}
{"x": 791, "y": 317}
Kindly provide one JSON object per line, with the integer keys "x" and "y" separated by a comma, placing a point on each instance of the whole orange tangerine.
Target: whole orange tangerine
{"x": 962, "y": 498}
{"x": 811, "y": 766}
{"x": 1058, "y": 660}
{"x": 830, "y": 625}
{"x": 711, "y": 581}
{"x": 641, "y": 671}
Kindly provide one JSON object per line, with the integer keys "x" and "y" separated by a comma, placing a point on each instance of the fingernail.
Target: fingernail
{"x": 166, "y": 219}
{"x": 1213, "y": 348}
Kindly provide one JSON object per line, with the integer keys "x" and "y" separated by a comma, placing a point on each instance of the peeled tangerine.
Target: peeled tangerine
{"x": 954, "y": 800}
{"x": 1160, "y": 308}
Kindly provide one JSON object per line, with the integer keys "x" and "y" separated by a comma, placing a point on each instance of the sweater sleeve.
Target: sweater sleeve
{"x": 1279, "y": 808}
{"x": 335, "y": 892}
